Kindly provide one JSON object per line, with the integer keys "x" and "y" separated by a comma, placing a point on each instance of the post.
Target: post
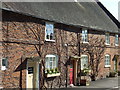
{"x": 79, "y": 61}
{"x": 66, "y": 46}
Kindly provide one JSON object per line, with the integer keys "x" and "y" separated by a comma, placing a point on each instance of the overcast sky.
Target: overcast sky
{"x": 112, "y": 6}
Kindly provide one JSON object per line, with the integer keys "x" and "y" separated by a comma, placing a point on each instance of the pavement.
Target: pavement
{"x": 103, "y": 84}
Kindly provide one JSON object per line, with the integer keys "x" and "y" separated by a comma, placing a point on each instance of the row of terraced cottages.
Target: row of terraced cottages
{"x": 48, "y": 45}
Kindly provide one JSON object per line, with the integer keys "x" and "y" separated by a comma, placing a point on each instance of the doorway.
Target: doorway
{"x": 73, "y": 72}
{"x": 115, "y": 65}
{"x": 32, "y": 75}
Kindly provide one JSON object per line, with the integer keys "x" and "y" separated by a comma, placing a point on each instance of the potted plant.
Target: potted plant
{"x": 93, "y": 77}
{"x": 84, "y": 74}
{"x": 56, "y": 70}
{"x": 112, "y": 74}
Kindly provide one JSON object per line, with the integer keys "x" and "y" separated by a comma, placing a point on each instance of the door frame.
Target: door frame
{"x": 37, "y": 66}
{"x": 74, "y": 65}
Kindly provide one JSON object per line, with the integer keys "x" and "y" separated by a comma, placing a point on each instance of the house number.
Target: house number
{"x": 30, "y": 70}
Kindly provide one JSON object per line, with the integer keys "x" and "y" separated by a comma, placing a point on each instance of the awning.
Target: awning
{"x": 75, "y": 57}
{"x": 34, "y": 59}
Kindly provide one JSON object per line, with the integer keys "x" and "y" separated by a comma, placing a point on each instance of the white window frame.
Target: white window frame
{"x": 82, "y": 67}
{"x": 46, "y": 39}
{"x": 47, "y": 64}
{"x": 4, "y": 67}
{"x": 107, "y": 38}
{"x": 84, "y": 35}
{"x": 106, "y": 60}
{"x": 116, "y": 40}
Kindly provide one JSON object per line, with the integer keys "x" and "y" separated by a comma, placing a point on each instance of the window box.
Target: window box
{"x": 53, "y": 75}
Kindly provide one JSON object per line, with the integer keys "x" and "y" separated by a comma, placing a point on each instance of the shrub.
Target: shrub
{"x": 112, "y": 74}
{"x": 118, "y": 73}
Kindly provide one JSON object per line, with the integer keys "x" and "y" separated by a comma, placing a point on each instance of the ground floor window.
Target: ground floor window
{"x": 4, "y": 63}
{"x": 51, "y": 62}
{"x": 84, "y": 61}
{"x": 107, "y": 60}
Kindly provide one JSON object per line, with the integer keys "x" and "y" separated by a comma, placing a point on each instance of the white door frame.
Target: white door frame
{"x": 37, "y": 83}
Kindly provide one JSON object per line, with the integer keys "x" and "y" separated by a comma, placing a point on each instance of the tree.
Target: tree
{"x": 95, "y": 49}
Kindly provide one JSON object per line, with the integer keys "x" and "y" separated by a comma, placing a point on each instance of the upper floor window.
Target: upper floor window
{"x": 84, "y": 36}
{"x": 84, "y": 62}
{"x": 51, "y": 62}
{"x": 116, "y": 40}
{"x": 4, "y": 63}
{"x": 107, "y": 60}
{"x": 107, "y": 38}
{"x": 49, "y": 32}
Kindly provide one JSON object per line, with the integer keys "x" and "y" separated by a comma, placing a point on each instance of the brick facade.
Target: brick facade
{"x": 19, "y": 42}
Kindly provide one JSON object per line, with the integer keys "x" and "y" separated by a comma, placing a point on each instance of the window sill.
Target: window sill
{"x": 107, "y": 66}
{"x": 49, "y": 40}
{"x": 53, "y": 75}
{"x": 3, "y": 68}
{"x": 107, "y": 44}
{"x": 85, "y": 42}
{"x": 116, "y": 44}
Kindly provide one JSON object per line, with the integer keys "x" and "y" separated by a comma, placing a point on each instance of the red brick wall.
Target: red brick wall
{"x": 0, "y": 54}
{"x": 20, "y": 43}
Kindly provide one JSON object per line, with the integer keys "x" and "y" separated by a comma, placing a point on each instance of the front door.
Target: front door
{"x": 32, "y": 75}
{"x": 71, "y": 72}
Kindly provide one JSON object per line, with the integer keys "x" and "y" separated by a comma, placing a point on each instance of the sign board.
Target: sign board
{"x": 30, "y": 70}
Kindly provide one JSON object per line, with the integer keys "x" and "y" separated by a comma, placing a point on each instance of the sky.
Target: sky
{"x": 112, "y": 6}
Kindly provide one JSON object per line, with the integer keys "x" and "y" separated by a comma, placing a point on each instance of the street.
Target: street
{"x": 103, "y": 84}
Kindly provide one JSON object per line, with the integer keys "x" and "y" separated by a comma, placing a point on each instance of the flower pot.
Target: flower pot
{"x": 83, "y": 82}
{"x": 93, "y": 78}
{"x": 53, "y": 75}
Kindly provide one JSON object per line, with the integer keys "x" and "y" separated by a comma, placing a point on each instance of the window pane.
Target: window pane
{"x": 116, "y": 39}
{"x": 49, "y": 31}
{"x": 84, "y": 62}
{"x": 3, "y": 62}
{"x": 54, "y": 63}
{"x": 51, "y": 61}
{"x": 107, "y": 38}
{"x": 84, "y": 36}
{"x": 107, "y": 60}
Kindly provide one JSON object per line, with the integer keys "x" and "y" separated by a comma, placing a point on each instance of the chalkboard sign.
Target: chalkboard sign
{"x": 30, "y": 70}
